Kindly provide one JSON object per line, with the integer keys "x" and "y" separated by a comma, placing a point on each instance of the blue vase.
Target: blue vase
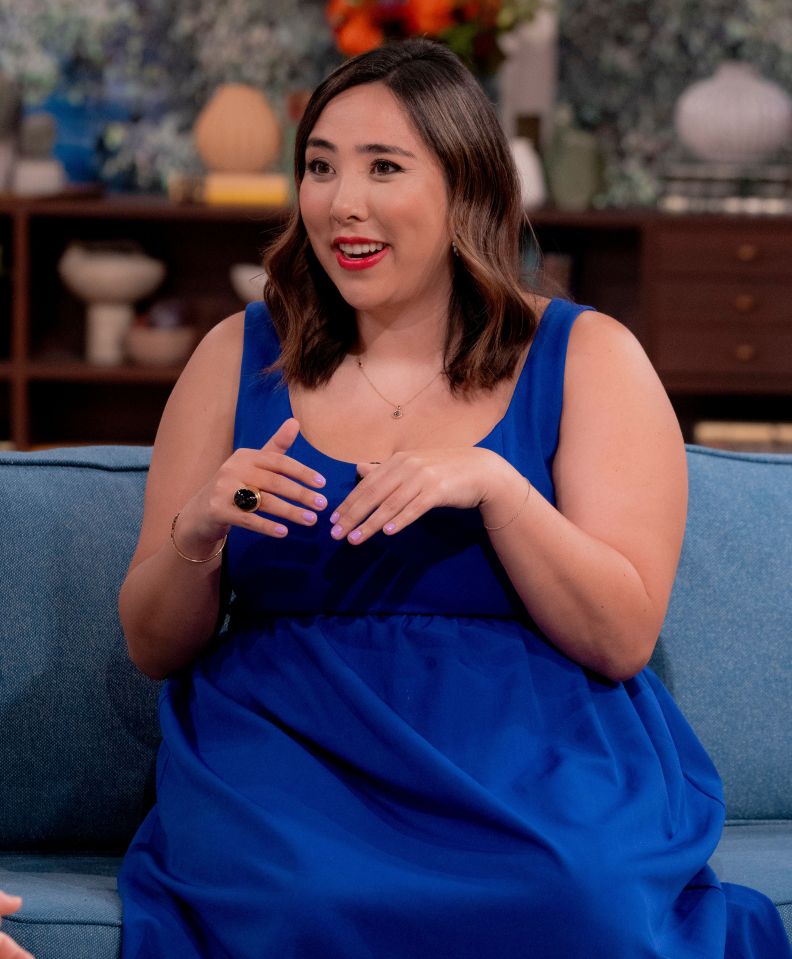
{"x": 80, "y": 128}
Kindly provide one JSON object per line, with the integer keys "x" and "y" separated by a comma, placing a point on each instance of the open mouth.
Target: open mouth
{"x": 358, "y": 255}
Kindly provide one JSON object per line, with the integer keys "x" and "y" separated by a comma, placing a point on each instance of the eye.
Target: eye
{"x": 318, "y": 167}
{"x": 383, "y": 167}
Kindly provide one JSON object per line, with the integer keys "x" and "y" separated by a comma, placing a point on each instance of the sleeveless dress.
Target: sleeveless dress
{"x": 384, "y": 758}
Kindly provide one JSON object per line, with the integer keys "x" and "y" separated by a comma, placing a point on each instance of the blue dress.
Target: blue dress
{"x": 384, "y": 758}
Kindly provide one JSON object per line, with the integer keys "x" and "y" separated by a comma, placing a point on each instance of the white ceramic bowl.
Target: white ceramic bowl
{"x": 109, "y": 277}
{"x": 248, "y": 281}
{"x": 158, "y": 346}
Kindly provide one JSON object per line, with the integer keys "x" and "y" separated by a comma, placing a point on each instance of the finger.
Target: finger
{"x": 10, "y": 950}
{"x": 287, "y": 466}
{"x": 9, "y": 903}
{"x": 276, "y": 483}
{"x": 284, "y": 436}
{"x": 363, "y": 469}
{"x": 369, "y": 508}
{"x": 360, "y": 503}
{"x": 390, "y": 518}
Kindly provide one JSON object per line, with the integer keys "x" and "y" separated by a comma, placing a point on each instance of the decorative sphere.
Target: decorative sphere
{"x": 237, "y": 131}
{"x": 735, "y": 116}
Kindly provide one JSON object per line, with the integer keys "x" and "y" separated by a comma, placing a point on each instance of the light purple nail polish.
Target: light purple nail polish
{"x": 389, "y": 527}
{"x": 336, "y": 532}
{"x": 320, "y": 502}
{"x": 308, "y": 516}
{"x": 334, "y": 517}
{"x": 280, "y": 529}
{"x": 354, "y": 536}
{"x": 319, "y": 480}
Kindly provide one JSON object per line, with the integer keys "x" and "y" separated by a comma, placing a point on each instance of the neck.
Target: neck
{"x": 403, "y": 337}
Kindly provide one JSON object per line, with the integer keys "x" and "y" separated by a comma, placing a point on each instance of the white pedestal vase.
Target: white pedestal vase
{"x": 111, "y": 283}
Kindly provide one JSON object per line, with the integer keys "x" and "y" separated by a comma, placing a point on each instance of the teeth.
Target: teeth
{"x": 357, "y": 249}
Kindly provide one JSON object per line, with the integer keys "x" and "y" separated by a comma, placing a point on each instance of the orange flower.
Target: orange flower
{"x": 429, "y": 16}
{"x": 337, "y": 11}
{"x": 358, "y": 34}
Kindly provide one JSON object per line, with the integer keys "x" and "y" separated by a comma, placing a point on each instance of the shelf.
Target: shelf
{"x": 142, "y": 207}
{"x": 620, "y": 261}
{"x": 75, "y": 371}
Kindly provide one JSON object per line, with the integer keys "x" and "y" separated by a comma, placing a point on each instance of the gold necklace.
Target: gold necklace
{"x": 398, "y": 408}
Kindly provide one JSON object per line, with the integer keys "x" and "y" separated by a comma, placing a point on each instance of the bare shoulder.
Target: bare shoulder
{"x": 596, "y": 333}
{"x": 223, "y": 343}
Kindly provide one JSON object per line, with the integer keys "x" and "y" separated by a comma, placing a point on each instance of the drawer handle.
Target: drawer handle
{"x": 745, "y": 352}
{"x": 744, "y": 303}
{"x": 747, "y": 252}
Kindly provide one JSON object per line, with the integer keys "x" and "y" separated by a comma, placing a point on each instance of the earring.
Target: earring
{"x": 454, "y": 249}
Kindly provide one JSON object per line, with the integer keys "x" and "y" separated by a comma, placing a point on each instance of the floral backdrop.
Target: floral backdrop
{"x": 140, "y": 70}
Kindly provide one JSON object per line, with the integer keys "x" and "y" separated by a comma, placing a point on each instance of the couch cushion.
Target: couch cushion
{"x": 725, "y": 651}
{"x": 79, "y": 721}
{"x": 70, "y": 904}
{"x": 759, "y": 855}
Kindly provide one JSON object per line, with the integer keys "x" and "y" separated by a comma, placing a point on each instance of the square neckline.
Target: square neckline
{"x": 485, "y": 439}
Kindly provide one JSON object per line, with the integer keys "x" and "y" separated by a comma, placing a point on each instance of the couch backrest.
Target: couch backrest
{"x": 725, "y": 651}
{"x": 78, "y": 724}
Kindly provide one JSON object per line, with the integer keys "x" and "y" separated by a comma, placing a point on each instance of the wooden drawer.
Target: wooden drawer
{"x": 729, "y": 349}
{"x": 749, "y": 303}
{"x": 735, "y": 249}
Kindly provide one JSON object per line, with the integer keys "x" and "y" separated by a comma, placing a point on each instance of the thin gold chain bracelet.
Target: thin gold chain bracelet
{"x": 190, "y": 558}
{"x": 522, "y": 505}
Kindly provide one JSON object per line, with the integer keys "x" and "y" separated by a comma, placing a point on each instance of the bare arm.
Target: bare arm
{"x": 596, "y": 573}
{"x": 169, "y": 606}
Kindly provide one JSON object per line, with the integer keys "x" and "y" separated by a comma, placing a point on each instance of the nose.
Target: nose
{"x": 349, "y": 200}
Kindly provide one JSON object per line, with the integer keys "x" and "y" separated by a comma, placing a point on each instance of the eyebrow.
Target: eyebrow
{"x": 321, "y": 144}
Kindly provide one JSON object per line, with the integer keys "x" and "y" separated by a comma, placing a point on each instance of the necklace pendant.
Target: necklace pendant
{"x": 397, "y": 413}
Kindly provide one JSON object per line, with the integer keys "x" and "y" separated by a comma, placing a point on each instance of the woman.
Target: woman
{"x": 428, "y": 730}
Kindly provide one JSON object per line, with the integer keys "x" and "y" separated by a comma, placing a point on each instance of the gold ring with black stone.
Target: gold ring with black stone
{"x": 248, "y": 500}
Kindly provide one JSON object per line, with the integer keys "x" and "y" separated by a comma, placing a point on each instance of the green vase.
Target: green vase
{"x": 574, "y": 169}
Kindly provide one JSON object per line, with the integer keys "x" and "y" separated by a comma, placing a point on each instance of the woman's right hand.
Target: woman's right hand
{"x": 208, "y": 515}
{"x": 8, "y": 948}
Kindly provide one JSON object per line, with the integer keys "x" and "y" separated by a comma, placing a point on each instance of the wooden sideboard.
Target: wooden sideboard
{"x": 710, "y": 298}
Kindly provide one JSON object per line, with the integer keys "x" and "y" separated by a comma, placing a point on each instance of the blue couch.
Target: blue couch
{"x": 79, "y": 725}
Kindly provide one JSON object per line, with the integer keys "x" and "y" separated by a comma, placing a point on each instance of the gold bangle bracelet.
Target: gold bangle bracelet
{"x": 189, "y": 558}
{"x": 491, "y": 528}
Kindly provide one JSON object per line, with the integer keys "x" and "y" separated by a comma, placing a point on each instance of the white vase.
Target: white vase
{"x": 110, "y": 283}
{"x": 735, "y": 116}
{"x": 529, "y": 168}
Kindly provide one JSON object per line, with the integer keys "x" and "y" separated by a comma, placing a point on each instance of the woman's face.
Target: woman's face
{"x": 374, "y": 204}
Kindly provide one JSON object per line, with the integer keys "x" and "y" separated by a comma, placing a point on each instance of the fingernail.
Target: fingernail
{"x": 354, "y": 536}
{"x": 280, "y": 529}
{"x": 389, "y": 527}
{"x": 334, "y": 517}
{"x": 319, "y": 479}
{"x": 320, "y": 502}
{"x": 336, "y": 532}
{"x": 308, "y": 516}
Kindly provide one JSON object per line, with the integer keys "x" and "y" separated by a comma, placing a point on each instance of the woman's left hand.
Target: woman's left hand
{"x": 395, "y": 493}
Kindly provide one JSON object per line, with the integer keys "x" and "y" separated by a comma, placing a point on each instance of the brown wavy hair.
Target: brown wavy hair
{"x": 489, "y": 319}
